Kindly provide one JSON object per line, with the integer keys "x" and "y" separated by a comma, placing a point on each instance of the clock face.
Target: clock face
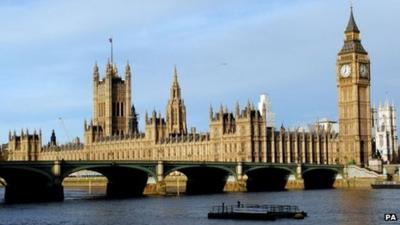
{"x": 363, "y": 70}
{"x": 345, "y": 70}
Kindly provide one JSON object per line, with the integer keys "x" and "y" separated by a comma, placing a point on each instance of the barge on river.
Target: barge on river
{"x": 255, "y": 212}
{"x": 386, "y": 185}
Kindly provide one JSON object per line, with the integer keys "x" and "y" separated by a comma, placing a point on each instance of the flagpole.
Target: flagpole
{"x": 111, "y": 42}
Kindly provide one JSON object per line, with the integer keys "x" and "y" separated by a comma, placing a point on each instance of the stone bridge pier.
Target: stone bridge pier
{"x": 240, "y": 182}
{"x": 161, "y": 186}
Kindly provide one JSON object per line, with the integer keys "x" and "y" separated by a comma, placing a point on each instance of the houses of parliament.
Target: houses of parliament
{"x": 240, "y": 134}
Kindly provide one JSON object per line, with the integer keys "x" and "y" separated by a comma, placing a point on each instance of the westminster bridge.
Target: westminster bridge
{"x": 30, "y": 181}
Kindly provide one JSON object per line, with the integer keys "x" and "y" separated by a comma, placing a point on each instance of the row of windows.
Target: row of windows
{"x": 117, "y": 109}
{"x": 310, "y": 153}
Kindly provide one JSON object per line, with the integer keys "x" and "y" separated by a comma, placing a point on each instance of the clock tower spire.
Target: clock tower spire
{"x": 354, "y": 102}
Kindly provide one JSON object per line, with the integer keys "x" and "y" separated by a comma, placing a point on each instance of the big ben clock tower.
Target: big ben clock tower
{"x": 353, "y": 84}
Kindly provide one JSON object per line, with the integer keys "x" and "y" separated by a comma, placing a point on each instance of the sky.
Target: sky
{"x": 225, "y": 51}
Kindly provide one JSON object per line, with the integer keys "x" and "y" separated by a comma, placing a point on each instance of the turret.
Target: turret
{"x": 96, "y": 75}
{"x": 109, "y": 69}
{"x": 237, "y": 110}
{"x": 155, "y": 129}
{"x": 133, "y": 123}
{"x": 210, "y": 113}
{"x": 25, "y": 147}
{"x": 53, "y": 139}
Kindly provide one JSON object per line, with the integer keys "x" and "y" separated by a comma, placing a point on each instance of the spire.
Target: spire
{"x": 176, "y": 110}
{"x": 237, "y": 109}
{"x": 175, "y": 91}
{"x": 96, "y": 71}
{"x": 109, "y": 69}
{"x": 95, "y": 67}
{"x": 115, "y": 70}
{"x": 352, "y": 26}
{"x": 127, "y": 69}
{"x": 53, "y": 139}
{"x": 175, "y": 74}
{"x": 210, "y": 111}
{"x": 352, "y": 41}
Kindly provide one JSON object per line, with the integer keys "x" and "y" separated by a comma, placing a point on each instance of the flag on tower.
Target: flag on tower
{"x": 110, "y": 40}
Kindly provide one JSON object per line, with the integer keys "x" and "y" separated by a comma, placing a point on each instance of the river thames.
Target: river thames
{"x": 328, "y": 207}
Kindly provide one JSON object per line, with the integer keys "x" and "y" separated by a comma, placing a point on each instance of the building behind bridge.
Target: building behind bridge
{"x": 234, "y": 135}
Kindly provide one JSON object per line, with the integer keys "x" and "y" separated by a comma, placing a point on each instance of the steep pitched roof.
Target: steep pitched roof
{"x": 351, "y": 25}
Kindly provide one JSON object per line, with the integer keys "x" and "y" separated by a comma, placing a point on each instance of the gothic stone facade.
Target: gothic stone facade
{"x": 240, "y": 135}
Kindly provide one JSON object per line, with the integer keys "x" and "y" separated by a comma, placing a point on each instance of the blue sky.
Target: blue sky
{"x": 225, "y": 51}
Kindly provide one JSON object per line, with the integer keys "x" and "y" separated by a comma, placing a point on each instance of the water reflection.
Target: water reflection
{"x": 355, "y": 205}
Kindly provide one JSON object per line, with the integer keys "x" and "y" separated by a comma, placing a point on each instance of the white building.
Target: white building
{"x": 322, "y": 124}
{"x": 328, "y": 125}
{"x": 266, "y": 102}
{"x": 385, "y": 131}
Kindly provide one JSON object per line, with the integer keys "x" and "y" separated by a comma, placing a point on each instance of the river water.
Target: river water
{"x": 327, "y": 207}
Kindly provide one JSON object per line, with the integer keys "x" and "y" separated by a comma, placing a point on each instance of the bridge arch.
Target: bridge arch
{"x": 267, "y": 178}
{"x": 98, "y": 168}
{"x": 27, "y": 184}
{"x": 203, "y": 179}
{"x": 319, "y": 178}
{"x": 122, "y": 180}
{"x": 11, "y": 171}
